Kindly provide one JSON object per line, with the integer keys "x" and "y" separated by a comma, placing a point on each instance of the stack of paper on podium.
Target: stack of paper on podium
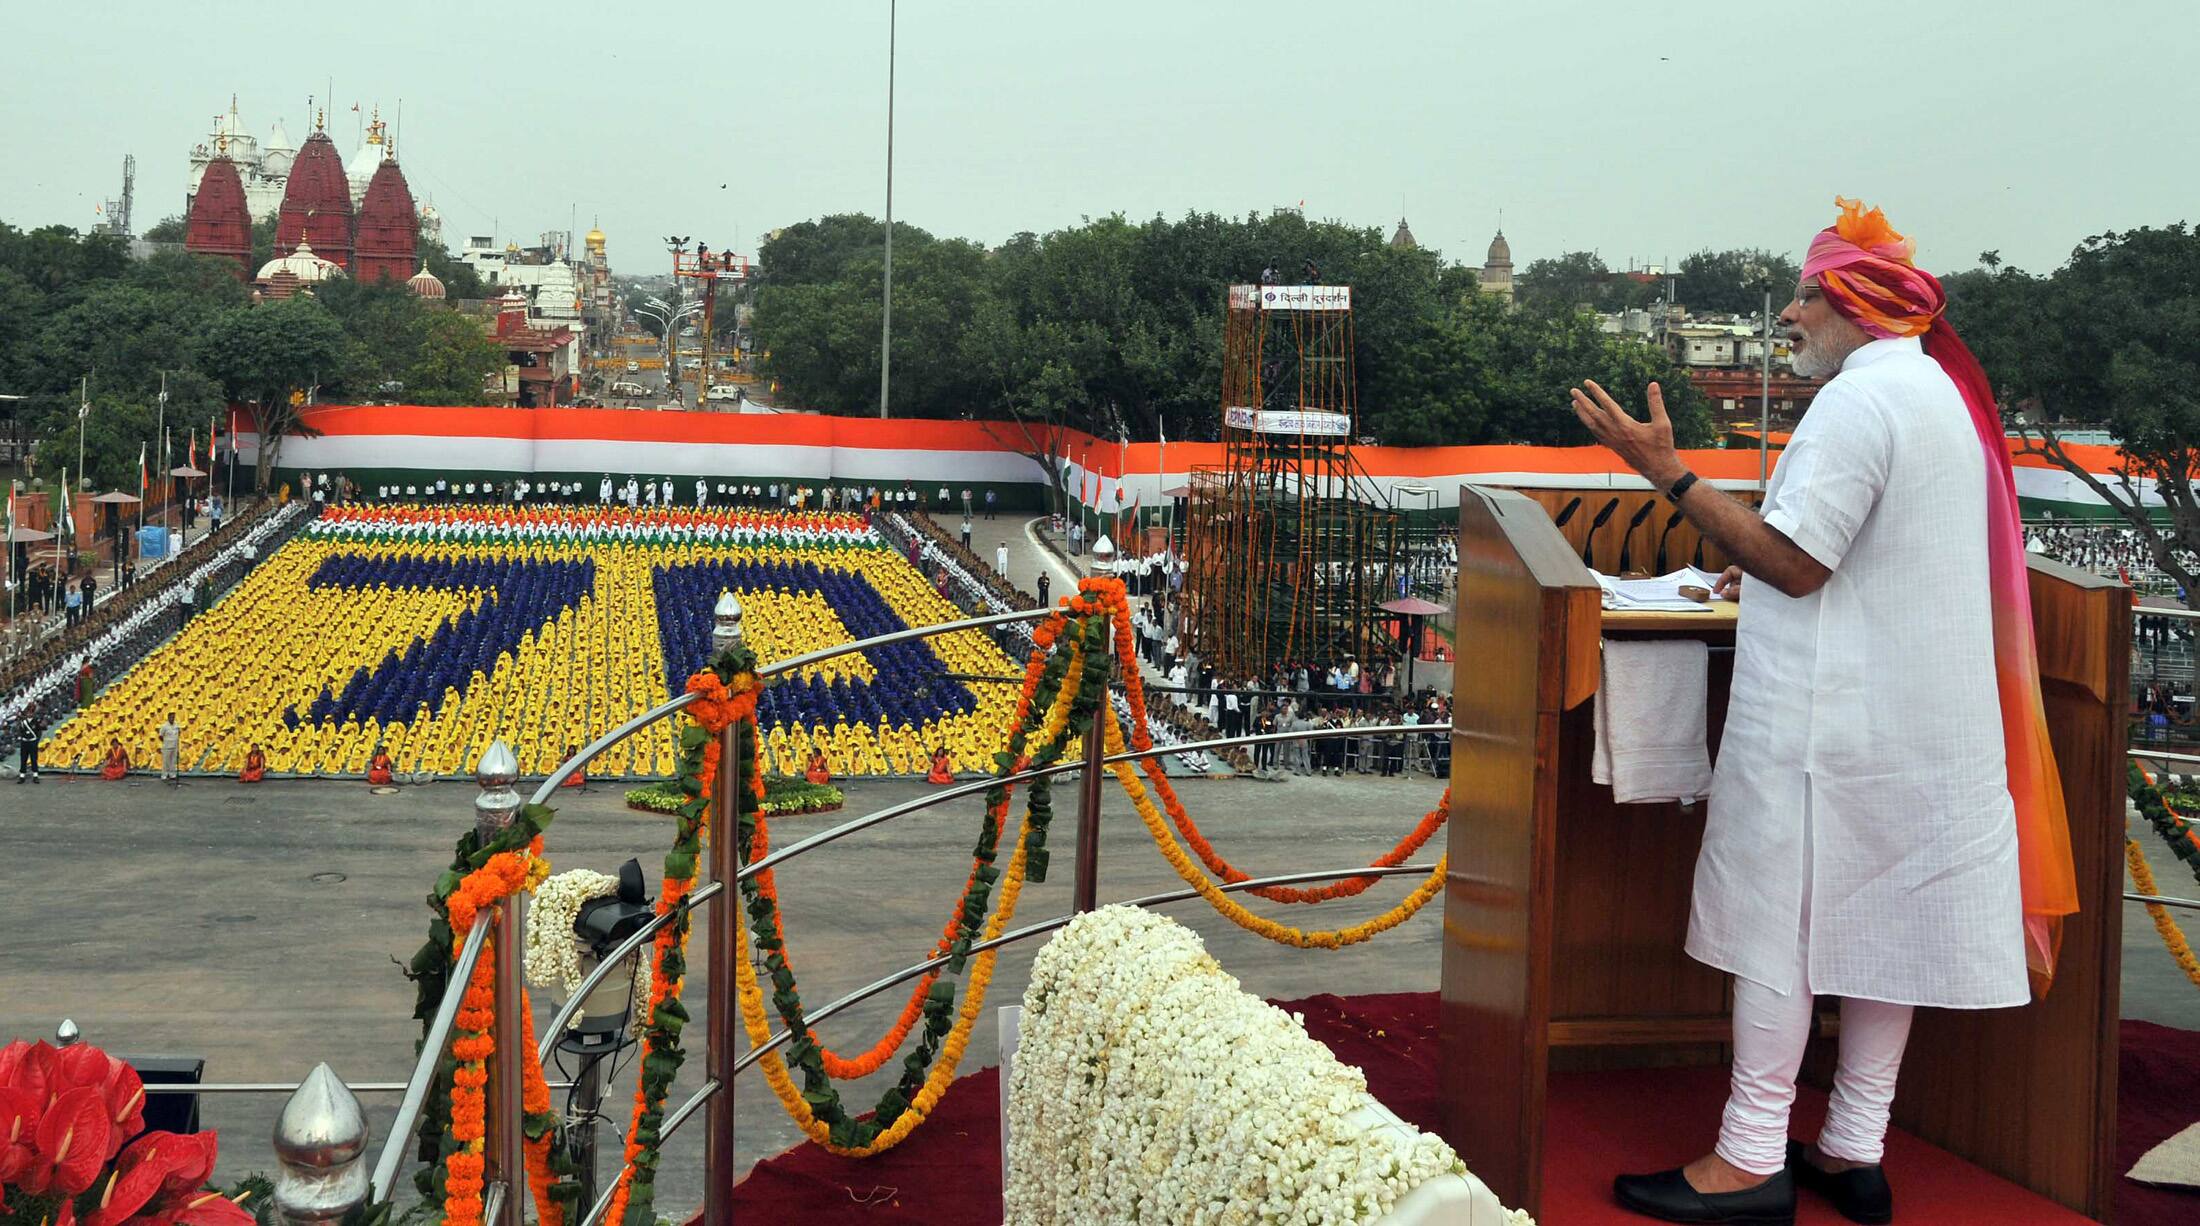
{"x": 1661, "y": 594}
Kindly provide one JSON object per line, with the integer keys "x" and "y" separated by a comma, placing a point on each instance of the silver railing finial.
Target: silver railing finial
{"x": 725, "y": 629}
{"x": 320, "y": 1139}
{"x": 498, "y": 804}
{"x": 67, "y": 1034}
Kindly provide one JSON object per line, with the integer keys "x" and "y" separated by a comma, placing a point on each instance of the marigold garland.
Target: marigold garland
{"x": 2184, "y": 840}
{"x": 725, "y": 694}
{"x": 503, "y": 875}
{"x": 1285, "y": 934}
{"x": 1066, "y": 691}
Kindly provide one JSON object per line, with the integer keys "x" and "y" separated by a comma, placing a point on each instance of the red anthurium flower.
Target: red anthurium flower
{"x": 140, "y": 1174}
{"x": 190, "y": 1158}
{"x": 212, "y": 1209}
{"x": 19, "y": 1112}
{"x": 30, "y": 1066}
{"x": 72, "y": 1144}
{"x": 120, "y": 1089}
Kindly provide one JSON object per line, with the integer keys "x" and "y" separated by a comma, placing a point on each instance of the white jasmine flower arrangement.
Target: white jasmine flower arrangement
{"x": 1148, "y": 1087}
{"x": 552, "y": 957}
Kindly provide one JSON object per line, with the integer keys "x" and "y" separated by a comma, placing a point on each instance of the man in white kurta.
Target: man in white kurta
{"x": 1861, "y": 839}
{"x": 1861, "y": 761}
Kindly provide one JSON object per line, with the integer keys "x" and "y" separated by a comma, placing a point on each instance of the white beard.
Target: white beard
{"x": 1819, "y": 358}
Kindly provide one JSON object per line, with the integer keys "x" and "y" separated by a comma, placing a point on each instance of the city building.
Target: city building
{"x": 539, "y": 361}
{"x": 1402, "y": 237}
{"x": 1497, "y": 268}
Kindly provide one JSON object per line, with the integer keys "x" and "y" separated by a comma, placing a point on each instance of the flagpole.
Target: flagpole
{"x": 83, "y": 419}
{"x": 160, "y": 430}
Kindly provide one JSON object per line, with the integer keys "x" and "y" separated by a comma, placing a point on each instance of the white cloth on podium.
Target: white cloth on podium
{"x": 1874, "y": 701}
{"x": 1650, "y": 718}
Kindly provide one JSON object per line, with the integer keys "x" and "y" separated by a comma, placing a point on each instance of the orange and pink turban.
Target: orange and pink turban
{"x": 1866, "y": 272}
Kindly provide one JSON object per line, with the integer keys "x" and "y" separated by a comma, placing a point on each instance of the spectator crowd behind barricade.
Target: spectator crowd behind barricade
{"x": 2109, "y": 550}
{"x": 31, "y": 653}
{"x": 67, "y": 671}
{"x": 1341, "y": 696}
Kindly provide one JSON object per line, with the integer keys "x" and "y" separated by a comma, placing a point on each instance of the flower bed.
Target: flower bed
{"x": 1147, "y": 1087}
{"x": 783, "y": 797}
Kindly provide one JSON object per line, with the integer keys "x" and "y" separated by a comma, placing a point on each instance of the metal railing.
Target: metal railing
{"x": 504, "y": 1196}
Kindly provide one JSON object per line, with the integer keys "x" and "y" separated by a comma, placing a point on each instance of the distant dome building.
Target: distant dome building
{"x": 277, "y": 153}
{"x": 1402, "y": 238}
{"x": 263, "y": 168}
{"x": 316, "y": 203}
{"x": 425, "y": 284}
{"x": 1497, "y": 268}
{"x": 388, "y": 227}
{"x": 366, "y": 160}
{"x": 300, "y": 270}
{"x": 219, "y": 222}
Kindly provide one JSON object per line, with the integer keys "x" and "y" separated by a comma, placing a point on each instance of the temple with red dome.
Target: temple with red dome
{"x": 389, "y": 226}
{"x": 220, "y": 223}
{"x": 317, "y": 204}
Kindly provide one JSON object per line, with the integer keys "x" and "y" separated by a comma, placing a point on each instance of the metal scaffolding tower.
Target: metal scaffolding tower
{"x": 1292, "y": 549}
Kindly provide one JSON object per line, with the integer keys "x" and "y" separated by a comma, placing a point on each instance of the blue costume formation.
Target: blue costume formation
{"x": 517, "y": 597}
{"x": 920, "y": 692}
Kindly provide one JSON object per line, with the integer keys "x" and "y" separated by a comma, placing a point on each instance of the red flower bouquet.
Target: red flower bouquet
{"x": 71, "y": 1153}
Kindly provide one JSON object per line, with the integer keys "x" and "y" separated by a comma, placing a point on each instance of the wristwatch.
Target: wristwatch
{"x": 1680, "y": 487}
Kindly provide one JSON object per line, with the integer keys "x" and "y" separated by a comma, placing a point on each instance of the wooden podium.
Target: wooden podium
{"x": 1564, "y": 915}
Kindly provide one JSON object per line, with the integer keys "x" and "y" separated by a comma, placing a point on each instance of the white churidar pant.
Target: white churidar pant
{"x": 1770, "y": 1031}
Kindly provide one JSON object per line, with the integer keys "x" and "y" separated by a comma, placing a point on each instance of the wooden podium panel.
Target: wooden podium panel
{"x": 1565, "y": 915}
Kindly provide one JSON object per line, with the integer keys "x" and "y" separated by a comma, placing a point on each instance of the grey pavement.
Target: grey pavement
{"x": 258, "y": 927}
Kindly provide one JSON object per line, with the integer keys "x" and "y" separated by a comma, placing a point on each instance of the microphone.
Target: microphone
{"x": 1698, "y": 563}
{"x": 1670, "y": 522}
{"x": 1627, "y": 541}
{"x": 1567, "y": 512}
{"x": 1588, "y": 542}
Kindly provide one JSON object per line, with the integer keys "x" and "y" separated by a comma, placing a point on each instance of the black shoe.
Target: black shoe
{"x": 1861, "y": 1194}
{"x": 1668, "y": 1197}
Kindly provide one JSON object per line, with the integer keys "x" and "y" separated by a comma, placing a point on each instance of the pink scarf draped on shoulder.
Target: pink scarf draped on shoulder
{"x": 1865, "y": 271}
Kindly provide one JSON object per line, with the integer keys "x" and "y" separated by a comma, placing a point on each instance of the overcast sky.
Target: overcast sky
{"x": 1644, "y": 131}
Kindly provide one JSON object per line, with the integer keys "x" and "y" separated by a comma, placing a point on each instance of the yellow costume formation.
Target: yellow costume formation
{"x": 430, "y": 631}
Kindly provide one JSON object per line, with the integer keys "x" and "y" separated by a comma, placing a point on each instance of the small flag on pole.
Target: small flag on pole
{"x": 144, "y": 479}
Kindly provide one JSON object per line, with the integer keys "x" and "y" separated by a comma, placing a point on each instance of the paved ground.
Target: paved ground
{"x": 257, "y": 926}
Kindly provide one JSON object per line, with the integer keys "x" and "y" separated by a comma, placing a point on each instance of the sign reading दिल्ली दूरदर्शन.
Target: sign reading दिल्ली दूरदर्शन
{"x": 1291, "y": 297}
{"x": 1287, "y": 421}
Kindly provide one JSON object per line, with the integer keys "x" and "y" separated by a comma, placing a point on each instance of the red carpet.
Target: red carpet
{"x": 948, "y": 1173}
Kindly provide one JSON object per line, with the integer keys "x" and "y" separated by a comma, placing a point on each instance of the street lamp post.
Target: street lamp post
{"x": 1764, "y": 406}
{"x": 886, "y": 314}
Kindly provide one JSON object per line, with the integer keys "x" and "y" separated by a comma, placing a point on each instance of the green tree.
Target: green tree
{"x": 271, "y": 356}
{"x": 460, "y": 282}
{"x": 1565, "y": 282}
{"x": 169, "y": 229}
{"x": 2112, "y": 338}
{"x": 452, "y": 358}
{"x": 1734, "y": 281}
{"x": 113, "y": 431}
